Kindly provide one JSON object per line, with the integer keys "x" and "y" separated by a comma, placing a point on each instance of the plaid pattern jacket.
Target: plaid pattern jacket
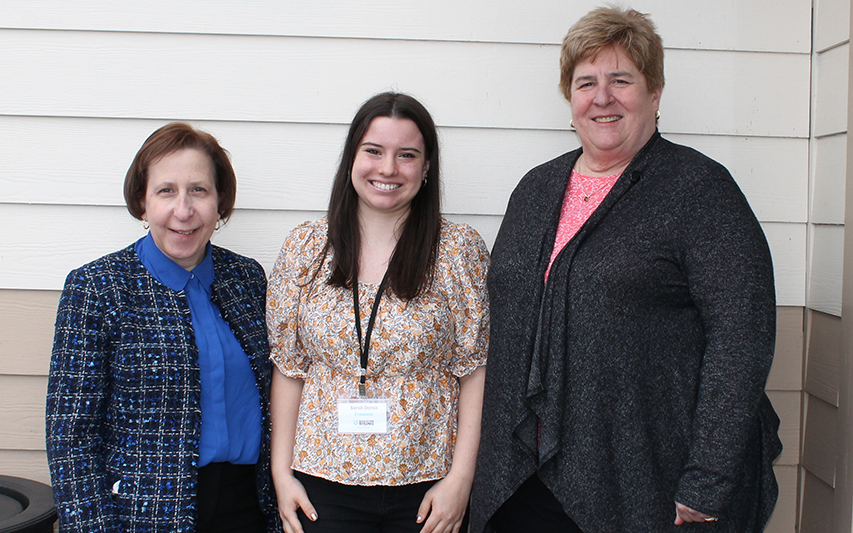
{"x": 123, "y": 414}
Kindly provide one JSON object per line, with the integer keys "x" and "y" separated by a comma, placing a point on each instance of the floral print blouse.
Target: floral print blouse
{"x": 418, "y": 351}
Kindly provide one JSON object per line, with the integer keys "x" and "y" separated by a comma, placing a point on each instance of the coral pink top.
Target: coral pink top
{"x": 583, "y": 196}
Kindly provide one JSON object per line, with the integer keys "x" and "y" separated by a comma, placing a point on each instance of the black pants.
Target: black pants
{"x": 228, "y": 500}
{"x": 363, "y": 509}
{"x": 533, "y": 508}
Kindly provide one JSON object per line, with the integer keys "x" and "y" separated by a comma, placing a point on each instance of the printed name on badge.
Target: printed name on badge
{"x": 362, "y": 415}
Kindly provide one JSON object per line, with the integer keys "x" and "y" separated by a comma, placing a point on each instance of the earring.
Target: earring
{"x": 657, "y": 114}
{"x": 218, "y": 225}
{"x": 424, "y": 182}
{"x": 572, "y": 125}
{"x": 145, "y": 224}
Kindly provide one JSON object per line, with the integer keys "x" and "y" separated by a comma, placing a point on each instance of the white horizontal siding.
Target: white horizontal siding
{"x": 290, "y": 166}
{"x": 831, "y": 91}
{"x": 829, "y": 180}
{"x": 766, "y": 25}
{"x": 826, "y": 260}
{"x": 317, "y": 80}
{"x": 277, "y": 82}
{"x": 40, "y": 244}
{"x": 832, "y": 23}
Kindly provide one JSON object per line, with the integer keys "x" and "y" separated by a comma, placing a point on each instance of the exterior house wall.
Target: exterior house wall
{"x": 823, "y": 483}
{"x": 278, "y": 82}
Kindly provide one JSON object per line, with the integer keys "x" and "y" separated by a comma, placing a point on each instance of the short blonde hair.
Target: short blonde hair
{"x": 605, "y": 27}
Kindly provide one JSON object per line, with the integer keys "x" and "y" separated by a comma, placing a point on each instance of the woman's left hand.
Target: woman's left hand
{"x": 444, "y": 505}
{"x": 684, "y": 514}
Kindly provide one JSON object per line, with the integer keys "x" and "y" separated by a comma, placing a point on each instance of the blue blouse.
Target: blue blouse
{"x": 230, "y": 401}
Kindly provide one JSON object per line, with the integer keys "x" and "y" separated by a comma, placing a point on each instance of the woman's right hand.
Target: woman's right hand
{"x": 291, "y": 496}
{"x": 285, "y": 396}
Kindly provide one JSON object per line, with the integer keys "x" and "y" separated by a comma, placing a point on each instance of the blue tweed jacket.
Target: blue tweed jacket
{"x": 123, "y": 415}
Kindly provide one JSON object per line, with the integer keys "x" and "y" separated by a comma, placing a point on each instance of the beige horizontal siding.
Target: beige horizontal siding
{"x": 787, "y": 371}
{"x": 22, "y": 400}
{"x": 820, "y": 439}
{"x": 824, "y": 357}
{"x": 25, "y": 464}
{"x": 817, "y": 505}
{"x": 26, "y": 333}
{"x": 788, "y": 405}
{"x": 784, "y": 518}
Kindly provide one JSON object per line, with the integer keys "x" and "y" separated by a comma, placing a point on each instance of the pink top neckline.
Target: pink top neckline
{"x": 583, "y": 196}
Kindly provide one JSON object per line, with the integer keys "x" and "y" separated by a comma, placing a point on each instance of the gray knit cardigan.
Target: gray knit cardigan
{"x": 634, "y": 378}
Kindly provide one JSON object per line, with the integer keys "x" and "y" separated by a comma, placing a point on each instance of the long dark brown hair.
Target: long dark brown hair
{"x": 411, "y": 267}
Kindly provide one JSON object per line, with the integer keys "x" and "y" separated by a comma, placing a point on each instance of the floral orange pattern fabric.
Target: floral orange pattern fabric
{"x": 418, "y": 351}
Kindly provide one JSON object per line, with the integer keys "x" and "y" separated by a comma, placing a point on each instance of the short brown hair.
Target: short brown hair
{"x": 605, "y": 27}
{"x": 167, "y": 140}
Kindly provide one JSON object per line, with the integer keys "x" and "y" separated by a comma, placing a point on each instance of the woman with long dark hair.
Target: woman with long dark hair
{"x": 378, "y": 319}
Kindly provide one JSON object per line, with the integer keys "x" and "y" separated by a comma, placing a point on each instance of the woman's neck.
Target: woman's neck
{"x": 587, "y": 165}
{"x": 379, "y": 236}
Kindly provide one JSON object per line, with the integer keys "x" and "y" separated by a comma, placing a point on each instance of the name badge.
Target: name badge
{"x": 357, "y": 415}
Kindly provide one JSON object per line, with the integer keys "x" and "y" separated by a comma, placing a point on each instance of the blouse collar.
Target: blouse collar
{"x": 170, "y": 273}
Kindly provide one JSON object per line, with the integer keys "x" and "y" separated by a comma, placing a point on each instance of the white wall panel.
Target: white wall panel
{"x": 772, "y": 172}
{"x": 290, "y": 166}
{"x": 277, "y": 82}
{"x": 830, "y": 98}
{"x": 788, "y": 246}
{"x": 829, "y": 180}
{"x": 40, "y": 244}
{"x": 825, "y": 268}
{"x": 725, "y": 92}
{"x": 204, "y": 77}
{"x": 832, "y": 23}
{"x": 768, "y": 25}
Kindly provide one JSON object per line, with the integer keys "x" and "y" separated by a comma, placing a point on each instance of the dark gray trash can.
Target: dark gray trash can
{"x": 26, "y": 506}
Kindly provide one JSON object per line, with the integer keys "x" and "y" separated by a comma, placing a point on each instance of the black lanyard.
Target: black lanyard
{"x": 364, "y": 349}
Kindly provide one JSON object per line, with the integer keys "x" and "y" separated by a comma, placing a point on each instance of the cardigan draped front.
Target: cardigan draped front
{"x": 634, "y": 377}
{"x": 123, "y": 405}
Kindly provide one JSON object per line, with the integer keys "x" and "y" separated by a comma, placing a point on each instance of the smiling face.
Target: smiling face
{"x": 181, "y": 205}
{"x": 612, "y": 107}
{"x": 389, "y": 167}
